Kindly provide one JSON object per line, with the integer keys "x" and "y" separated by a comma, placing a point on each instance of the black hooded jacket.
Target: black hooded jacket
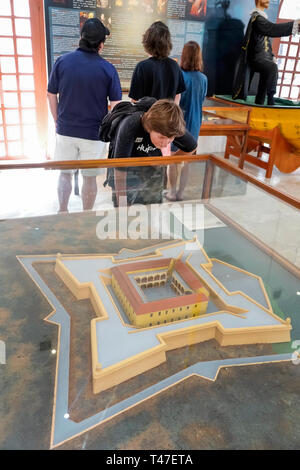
{"x": 256, "y": 47}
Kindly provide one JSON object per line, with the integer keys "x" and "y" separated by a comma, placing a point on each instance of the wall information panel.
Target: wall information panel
{"x": 127, "y": 20}
{"x": 203, "y": 21}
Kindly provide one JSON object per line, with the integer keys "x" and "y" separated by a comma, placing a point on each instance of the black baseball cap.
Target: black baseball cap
{"x": 94, "y": 31}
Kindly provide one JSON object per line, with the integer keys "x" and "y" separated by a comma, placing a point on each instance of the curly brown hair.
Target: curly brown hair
{"x": 165, "y": 117}
{"x": 191, "y": 57}
{"x": 157, "y": 40}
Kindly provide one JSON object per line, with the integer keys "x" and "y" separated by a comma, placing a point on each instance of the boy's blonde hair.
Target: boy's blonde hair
{"x": 165, "y": 117}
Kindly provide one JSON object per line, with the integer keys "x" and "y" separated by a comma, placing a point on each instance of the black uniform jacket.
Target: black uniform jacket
{"x": 256, "y": 47}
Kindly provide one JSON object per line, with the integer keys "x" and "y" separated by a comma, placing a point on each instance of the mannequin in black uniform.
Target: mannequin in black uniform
{"x": 257, "y": 53}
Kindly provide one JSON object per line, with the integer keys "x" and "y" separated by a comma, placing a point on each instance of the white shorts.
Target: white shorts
{"x": 73, "y": 148}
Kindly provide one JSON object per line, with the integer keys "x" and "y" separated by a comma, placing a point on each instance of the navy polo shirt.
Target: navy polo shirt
{"x": 84, "y": 81}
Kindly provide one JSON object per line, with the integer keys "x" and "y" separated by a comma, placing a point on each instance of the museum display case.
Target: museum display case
{"x": 172, "y": 325}
{"x": 224, "y": 118}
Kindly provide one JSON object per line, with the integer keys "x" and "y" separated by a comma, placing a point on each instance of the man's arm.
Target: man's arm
{"x": 113, "y": 104}
{"x": 186, "y": 144}
{"x": 53, "y": 104}
{"x": 273, "y": 30}
{"x": 181, "y": 152}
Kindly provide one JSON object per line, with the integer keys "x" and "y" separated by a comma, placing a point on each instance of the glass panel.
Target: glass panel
{"x": 12, "y": 117}
{"x": 24, "y": 46}
{"x": 10, "y": 100}
{"x": 28, "y": 116}
{"x": 21, "y": 8}
{"x": 32, "y": 150}
{"x": 13, "y": 132}
{"x": 287, "y": 78}
{"x": 296, "y": 80}
{"x": 6, "y": 27}
{"x": 298, "y": 66}
{"x": 27, "y": 100}
{"x": 6, "y": 46}
{"x": 1, "y": 133}
{"x": 241, "y": 243}
{"x": 293, "y": 51}
{"x": 22, "y": 27}
{"x": 26, "y": 82}
{"x": 9, "y": 82}
{"x": 25, "y": 64}
{"x": 2, "y": 150}
{"x": 15, "y": 149}
{"x": 237, "y": 263}
{"x": 281, "y": 63}
{"x": 283, "y": 49}
{"x": 5, "y": 9}
{"x": 229, "y": 194}
{"x": 295, "y": 93}
{"x": 290, "y": 64}
{"x": 30, "y": 133}
{"x": 8, "y": 65}
{"x": 285, "y": 92}
{"x": 290, "y": 10}
{"x": 215, "y": 104}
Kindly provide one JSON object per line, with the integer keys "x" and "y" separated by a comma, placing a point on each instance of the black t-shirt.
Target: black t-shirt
{"x": 144, "y": 184}
{"x": 159, "y": 78}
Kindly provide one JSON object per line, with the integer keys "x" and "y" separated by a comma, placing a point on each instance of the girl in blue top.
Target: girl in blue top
{"x": 191, "y": 104}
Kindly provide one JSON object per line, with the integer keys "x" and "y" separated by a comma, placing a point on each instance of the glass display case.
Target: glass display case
{"x": 230, "y": 115}
{"x": 172, "y": 325}
{"x": 228, "y": 119}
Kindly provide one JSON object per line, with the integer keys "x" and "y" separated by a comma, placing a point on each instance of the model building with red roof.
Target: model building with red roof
{"x": 159, "y": 291}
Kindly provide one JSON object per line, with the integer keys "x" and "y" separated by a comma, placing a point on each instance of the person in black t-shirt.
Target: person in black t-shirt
{"x": 144, "y": 135}
{"x": 158, "y": 76}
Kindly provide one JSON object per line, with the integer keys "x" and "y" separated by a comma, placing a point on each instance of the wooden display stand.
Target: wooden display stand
{"x": 280, "y": 152}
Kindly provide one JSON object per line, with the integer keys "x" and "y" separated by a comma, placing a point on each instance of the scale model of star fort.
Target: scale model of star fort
{"x": 150, "y": 301}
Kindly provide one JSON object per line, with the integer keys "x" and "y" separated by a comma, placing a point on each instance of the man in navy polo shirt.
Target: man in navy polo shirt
{"x": 80, "y": 84}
